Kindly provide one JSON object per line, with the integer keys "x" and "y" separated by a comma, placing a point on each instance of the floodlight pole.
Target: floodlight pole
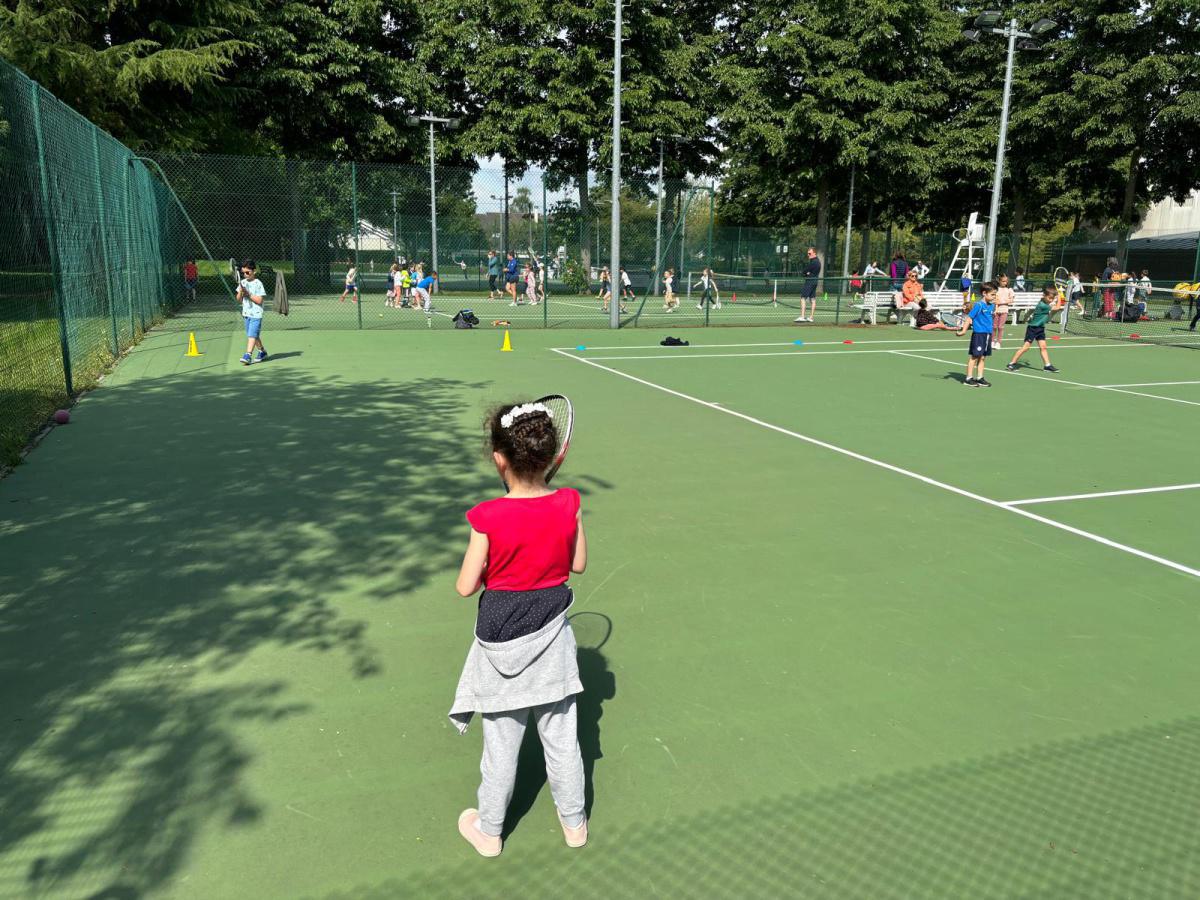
{"x": 395, "y": 233}
{"x": 433, "y": 249}
{"x": 658, "y": 224}
{"x": 989, "y": 254}
{"x": 614, "y": 273}
{"x": 849, "y": 225}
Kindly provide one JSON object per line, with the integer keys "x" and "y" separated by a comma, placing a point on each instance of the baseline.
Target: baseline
{"x": 1097, "y": 387}
{"x": 1127, "y": 492}
{"x": 907, "y": 473}
{"x": 800, "y": 352}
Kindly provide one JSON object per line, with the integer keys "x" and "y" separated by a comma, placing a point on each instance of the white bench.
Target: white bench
{"x": 940, "y": 301}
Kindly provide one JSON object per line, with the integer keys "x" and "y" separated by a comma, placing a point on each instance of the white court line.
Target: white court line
{"x": 927, "y": 341}
{"x": 800, "y": 351}
{"x": 1162, "y": 561}
{"x": 1148, "y": 384}
{"x": 1055, "y": 380}
{"x": 1149, "y": 490}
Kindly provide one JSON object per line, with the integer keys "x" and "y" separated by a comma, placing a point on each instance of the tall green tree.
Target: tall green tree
{"x": 814, "y": 87}
{"x": 152, "y": 73}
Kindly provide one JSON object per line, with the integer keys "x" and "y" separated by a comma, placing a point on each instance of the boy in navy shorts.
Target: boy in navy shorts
{"x": 980, "y": 318}
{"x": 1036, "y": 330}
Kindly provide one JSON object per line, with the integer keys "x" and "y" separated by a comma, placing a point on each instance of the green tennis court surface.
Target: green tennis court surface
{"x": 871, "y": 635}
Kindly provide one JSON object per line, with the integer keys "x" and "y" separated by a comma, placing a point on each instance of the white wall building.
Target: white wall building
{"x": 1169, "y": 217}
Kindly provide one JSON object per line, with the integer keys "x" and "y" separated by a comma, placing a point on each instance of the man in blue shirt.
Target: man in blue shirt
{"x": 251, "y": 292}
{"x": 980, "y": 318}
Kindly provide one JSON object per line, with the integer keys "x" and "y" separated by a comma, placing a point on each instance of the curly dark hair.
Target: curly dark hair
{"x": 528, "y": 444}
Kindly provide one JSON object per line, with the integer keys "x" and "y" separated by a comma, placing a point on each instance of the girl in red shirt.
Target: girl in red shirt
{"x": 523, "y": 548}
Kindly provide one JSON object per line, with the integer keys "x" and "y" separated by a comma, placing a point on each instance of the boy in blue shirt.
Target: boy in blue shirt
{"x": 251, "y": 292}
{"x": 980, "y": 318}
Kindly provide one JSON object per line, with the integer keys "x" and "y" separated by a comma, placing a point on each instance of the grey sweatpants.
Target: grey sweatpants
{"x": 502, "y": 734}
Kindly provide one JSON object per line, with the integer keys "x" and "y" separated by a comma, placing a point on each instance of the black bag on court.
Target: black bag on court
{"x": 465, "y": 318}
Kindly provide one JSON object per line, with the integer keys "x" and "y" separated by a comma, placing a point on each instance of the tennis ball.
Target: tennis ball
{"x": 62, "y": 417}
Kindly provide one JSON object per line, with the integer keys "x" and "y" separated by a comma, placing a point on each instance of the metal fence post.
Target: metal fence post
{"x": 354, "y": 213}
{"x": 129, "y": 251}
{"x": 108, "y": 287}
{"x": 56, "y": 274}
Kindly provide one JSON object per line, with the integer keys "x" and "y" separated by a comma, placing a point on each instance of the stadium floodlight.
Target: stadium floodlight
{"x": 1043, "y": 26}
{"x": 1027, "y": 44}
{"x": 989, "y": 18}
{"x": 972, "y": 34}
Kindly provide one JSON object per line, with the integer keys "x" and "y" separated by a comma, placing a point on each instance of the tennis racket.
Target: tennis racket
{"x": 236, "y": 272}
{"x": 951, "y": 317}
{"x": 563, "y": 416}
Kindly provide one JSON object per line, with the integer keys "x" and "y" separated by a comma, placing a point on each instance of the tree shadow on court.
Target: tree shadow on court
{"x": 179, "y": 525}
{"x": 599, "y": 685}
{"x": 1110, "y": 816}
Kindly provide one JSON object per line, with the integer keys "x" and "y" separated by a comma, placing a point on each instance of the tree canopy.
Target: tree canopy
{"x": 778, "y": 100}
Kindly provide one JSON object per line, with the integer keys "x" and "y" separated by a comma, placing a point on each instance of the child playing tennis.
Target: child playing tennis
{"x": 393, "y": 286}
{"x": 980, "y": 320}
{"x": 605, "y": 289}
{"x": 670, "y": 301}
{"x": 521, "y": 664}
{"x": 351, "y": 285}
{"x": 530, "y": 280}
{"x": 251, "y": 292}
{"x": 1050, "y": 303}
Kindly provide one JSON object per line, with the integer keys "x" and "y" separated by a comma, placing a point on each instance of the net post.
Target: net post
{"x": 354, "y": 215}
{"x": 837, "y": 313}
{"x": 707, "y": 307}
{"x": 104, "y": 249}
{"x": 689, "y": 289}
{"x": 51, "y": 239}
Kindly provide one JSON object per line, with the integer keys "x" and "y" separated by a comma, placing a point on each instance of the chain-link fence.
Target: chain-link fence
{"x": 98, "y": 244}
{"x": 92, "y": 246}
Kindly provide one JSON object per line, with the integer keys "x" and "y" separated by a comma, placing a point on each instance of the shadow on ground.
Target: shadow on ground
{"x": 1112, "y": 816}
{"x": 179, "y": 525}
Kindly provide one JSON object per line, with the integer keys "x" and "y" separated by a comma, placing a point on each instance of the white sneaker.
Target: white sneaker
{"x": 799, "y": 319}
{"x": 810, "y": 318}
{"x": 514, "y": 303}
{"x": 699, "y": 306}
{"x": 718, "y": 306}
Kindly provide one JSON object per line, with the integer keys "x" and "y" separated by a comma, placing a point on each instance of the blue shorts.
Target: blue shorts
{"x": 981, "y": 344}
{"x": 253, "y": 326}
{"x": 352, "y": 286}
{"x": 190, "y": 285}
{"x": 809, "y": 289}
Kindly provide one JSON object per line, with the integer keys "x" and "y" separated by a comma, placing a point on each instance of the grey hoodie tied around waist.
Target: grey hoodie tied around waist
{"x": 528, "y": 671}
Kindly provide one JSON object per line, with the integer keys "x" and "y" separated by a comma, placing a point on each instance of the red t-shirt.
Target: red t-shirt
{"x": 189, "y": 272}
{"x": 531, "y": 540}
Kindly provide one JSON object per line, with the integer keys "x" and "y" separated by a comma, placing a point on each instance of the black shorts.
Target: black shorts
{"x": 491, "y": 282}
{"x": 1035, "y": 333}
{"x": 809, "y": 290}
{"x": 510, "y": 279}
{"x": 981, "y": 344}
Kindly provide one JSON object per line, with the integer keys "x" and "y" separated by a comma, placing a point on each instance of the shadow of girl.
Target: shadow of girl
{"x": 599, "y": 685}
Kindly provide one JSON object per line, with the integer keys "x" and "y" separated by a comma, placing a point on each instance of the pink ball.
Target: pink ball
{"x": 62, "y": 417}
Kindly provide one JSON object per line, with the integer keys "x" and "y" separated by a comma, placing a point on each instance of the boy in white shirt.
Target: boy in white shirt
{"x": 251, "y": 292}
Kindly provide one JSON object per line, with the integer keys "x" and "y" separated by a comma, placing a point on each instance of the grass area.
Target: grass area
{"x": 860, "y": 644}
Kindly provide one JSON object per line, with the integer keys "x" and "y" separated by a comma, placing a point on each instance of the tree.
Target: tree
{"x": 1131, "y": 104}
{"x": 151, "y": 73}
{"x": 812, "y": 87}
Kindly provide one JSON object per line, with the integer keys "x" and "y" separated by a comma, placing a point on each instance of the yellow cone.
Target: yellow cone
{"x": 506, "y": 347}
{"x": 193, "y": 350}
